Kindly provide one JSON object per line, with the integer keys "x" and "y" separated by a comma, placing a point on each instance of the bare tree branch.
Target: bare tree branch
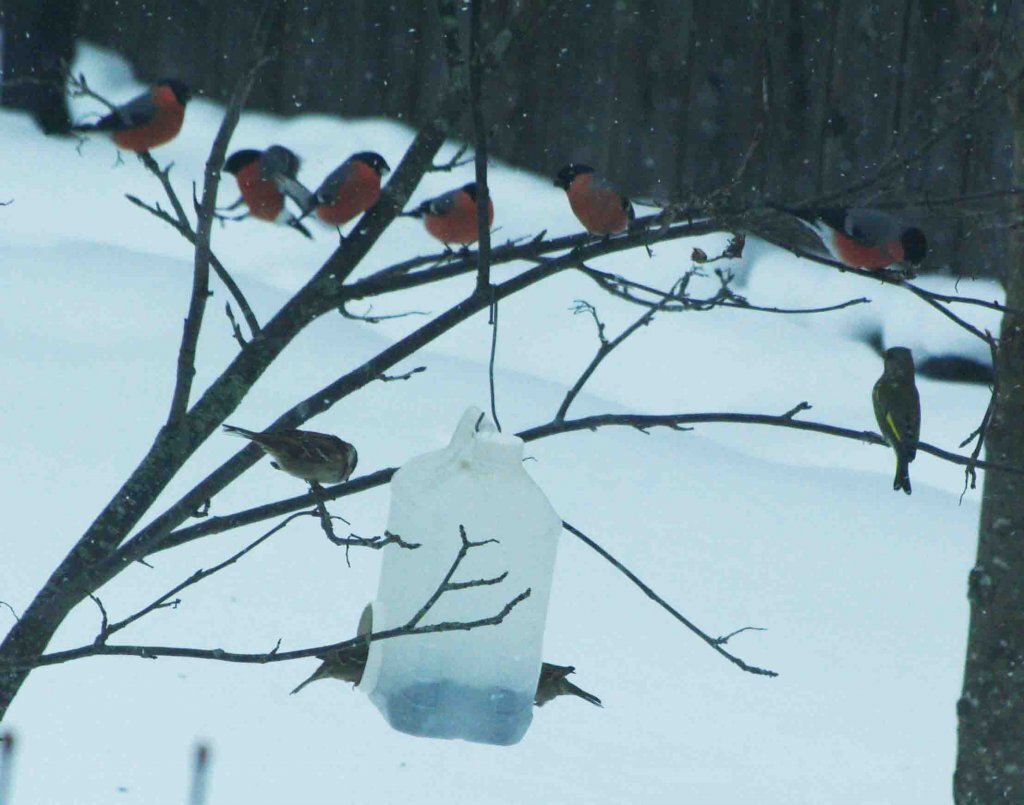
{"x": 164, "y": 601}
{"x": 257, "y": 514}
{"x": 211, "y": 181}
{"x": 606, "y": 347}
{"x": 715, "y": 643}
{"x": 186, "y": 231}
{"x": 412, "y": 627}
{"x": 483, "y": 280}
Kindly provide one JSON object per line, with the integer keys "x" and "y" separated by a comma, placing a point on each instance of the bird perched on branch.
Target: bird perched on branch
{"x": 863, "y": 238}
{"x": 553, "y": 683}
{"x": 350, "y": 189}
{"x": 265, "y": 179}
{"x": 346, "y": 664}
{"x": 151, "y": 119}
{"x": 318, "y": 458}
{"x": 599, "y": 207}
{"x": 898, "y": 411}
{"x": 451, "y": 218}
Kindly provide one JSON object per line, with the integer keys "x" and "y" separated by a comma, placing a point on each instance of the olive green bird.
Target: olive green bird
{"x": 898, "y": 411}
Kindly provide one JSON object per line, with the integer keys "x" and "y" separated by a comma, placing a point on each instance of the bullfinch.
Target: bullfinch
{"x": 863, "y": 238}
{"x": 898, "y": 411}
{"x": 264, "y": 179}
{"x": 451, "y": 218}
{"x": 351, "y": 189}
{"x": 151, "y": 119}
{"x": 599, "y": 207}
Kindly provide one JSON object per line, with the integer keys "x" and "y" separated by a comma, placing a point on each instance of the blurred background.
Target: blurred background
{"x": 666, "y": 97}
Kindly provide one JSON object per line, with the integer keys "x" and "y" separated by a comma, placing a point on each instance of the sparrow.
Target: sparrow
{"x": 863, "y": 238}
{"x": 553, "y": 683}
{"x": 451, "y": 218}
{"x": 599, "y": 207}
{"x": 898, "y": 411}
{"x": 265, "y": 179}
{"x": 317, "y": 458}
{"x": 148, "y": 120}
{"x": 346, "y": 664}
{"x": 350, "y": 189}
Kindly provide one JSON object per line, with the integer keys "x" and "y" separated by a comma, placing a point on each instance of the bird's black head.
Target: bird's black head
{"x": 915, "y": 246}
{"x": 374, "y": 160}
{"x": 240, "y": 159}
{"x": 570, "y": 172}
{"x": 469, "y": 190}
{"x": 179, "y": 88}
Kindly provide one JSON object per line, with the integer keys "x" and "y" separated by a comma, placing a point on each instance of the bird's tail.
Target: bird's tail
{"x": 298, "y": 226}
{"x": 317, "y": 674}
{"x": 902, "y": 479}
{"x": 297, "y": 192}
{"x": 804, "y": 215}
{"x": 248, "y": 434}
{"x": 578, "y": 691}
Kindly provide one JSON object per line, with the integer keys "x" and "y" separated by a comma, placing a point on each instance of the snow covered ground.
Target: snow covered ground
{"x": 861, "y": 589}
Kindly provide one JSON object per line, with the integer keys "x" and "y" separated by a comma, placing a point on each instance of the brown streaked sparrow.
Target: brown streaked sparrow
{"x": 313, "y": 457}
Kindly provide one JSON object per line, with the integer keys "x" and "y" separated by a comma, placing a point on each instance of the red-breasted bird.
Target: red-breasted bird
{"x": 265, "y": 179}
{"x": 350, "y": 189}
{"x": 863, "y": 238}
{"x": 898, "y": 411}
{"x": 151, "y": 119}
{"x": 313, "y": 457}
{"x": 451, "y": 218}
{"x": 599, "y": 207}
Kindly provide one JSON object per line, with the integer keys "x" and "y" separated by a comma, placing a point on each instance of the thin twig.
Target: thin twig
{"x": 483, "y": 279}
{"x": 715, "y": 643}
{"x": 15, "y": 614}
{"x": 236, "y": 331}
{"x": 604, "y": 349}
{"x": 446, "y": 584}
{"x": 164, "y": 601}
{"x": 211, "y": 181}
{"x": 411, "y": 628}
{"x": 491, "y": 359}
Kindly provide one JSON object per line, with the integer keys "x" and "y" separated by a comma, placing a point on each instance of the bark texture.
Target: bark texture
{"x": 990, "y": 760}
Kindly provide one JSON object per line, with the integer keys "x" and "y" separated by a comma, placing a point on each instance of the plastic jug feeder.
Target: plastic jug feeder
{"x": 477, "y": 685}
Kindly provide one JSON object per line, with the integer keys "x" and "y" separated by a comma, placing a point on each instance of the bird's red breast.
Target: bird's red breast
{"x": 161, "y": 128}
{"x": 262, "y": 197}
{"x": 354, "y": 196}
{"x": 457, "y": 225}
{"x": 598, "y": 207}
{"x": 859, "y": 255}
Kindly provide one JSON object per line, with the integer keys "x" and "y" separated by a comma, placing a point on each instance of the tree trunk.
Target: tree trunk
{"x": 990, "y": 761}
{"x": 39, "y": 40}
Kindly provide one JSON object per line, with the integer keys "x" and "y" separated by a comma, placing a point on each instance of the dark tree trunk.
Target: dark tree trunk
{"x": 990, "y": 760}
{"x": 39, "y": 40}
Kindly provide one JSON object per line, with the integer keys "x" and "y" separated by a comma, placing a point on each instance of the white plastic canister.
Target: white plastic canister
{"x": 477, "y": 685}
